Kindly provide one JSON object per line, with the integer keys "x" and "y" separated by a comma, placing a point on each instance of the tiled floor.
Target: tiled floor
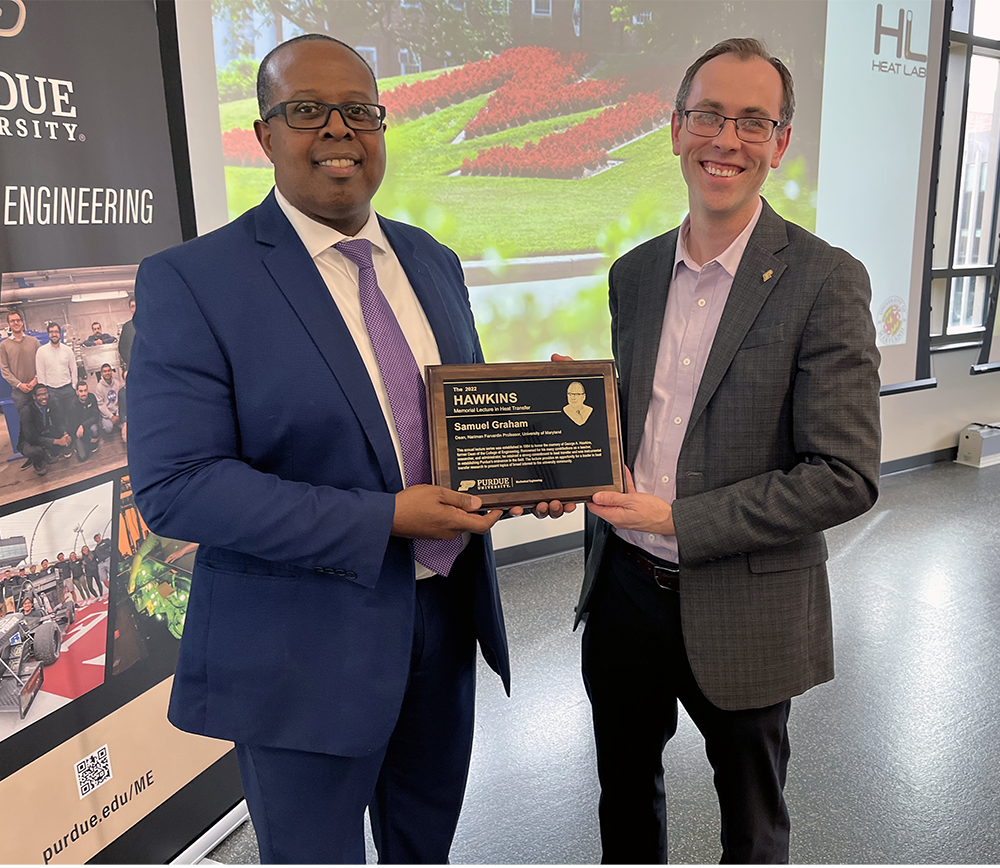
{"x": 896, "y": 761}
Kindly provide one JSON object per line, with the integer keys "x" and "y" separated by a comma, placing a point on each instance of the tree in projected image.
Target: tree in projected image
{"x": 439, "y": 30}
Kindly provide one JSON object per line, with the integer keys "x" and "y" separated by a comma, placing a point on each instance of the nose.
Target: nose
{"x": 336, "y": 126}
{"x": 727, "y": 137}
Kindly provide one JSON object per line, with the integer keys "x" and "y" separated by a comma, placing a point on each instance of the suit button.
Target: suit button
{"x": 350, "y": 574}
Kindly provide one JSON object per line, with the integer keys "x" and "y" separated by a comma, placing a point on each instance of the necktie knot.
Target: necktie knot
{"x": 358, "y": 250}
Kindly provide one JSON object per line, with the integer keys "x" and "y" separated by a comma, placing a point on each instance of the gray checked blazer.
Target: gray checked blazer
{"x": 783, "y": 442}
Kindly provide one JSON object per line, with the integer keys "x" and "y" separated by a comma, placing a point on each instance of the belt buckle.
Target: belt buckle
{"x": 665, "y": 577}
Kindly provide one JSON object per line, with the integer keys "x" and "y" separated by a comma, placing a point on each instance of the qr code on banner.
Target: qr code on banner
{"x": 93, "y": 771}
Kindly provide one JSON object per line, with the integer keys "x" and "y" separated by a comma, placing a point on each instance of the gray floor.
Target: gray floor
{"x": 896, "y": 761}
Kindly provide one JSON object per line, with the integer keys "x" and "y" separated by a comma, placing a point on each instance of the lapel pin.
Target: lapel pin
{"x": 767, "y": 275}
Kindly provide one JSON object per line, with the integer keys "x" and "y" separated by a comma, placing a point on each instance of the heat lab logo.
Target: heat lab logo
{"x": 903, "y": 35}
{"x": 891, "y": 321}
{"x": 8, "y": 28}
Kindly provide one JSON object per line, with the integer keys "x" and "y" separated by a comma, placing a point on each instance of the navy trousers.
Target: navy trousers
{"x": 308, "y": 808}
{"x": 635, "y": 669}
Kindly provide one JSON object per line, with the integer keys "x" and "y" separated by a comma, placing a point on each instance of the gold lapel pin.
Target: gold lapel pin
{"x": 767, "y": 275}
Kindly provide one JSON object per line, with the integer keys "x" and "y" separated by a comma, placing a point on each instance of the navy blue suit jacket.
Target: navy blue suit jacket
{"x": 256, "y": 432}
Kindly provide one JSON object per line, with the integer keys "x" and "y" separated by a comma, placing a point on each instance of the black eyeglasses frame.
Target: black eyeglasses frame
{"x": 281, "y": 110}
{"x": 774, "y": 125}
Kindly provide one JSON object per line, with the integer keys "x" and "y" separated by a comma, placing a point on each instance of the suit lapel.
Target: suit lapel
{"x": 427, "y": 285}
{"x": 757, "y": 276}
{"x": 300, "y": 282}
{"x": 653, "y": 285}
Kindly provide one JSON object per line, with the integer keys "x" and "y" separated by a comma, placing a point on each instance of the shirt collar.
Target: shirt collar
{"x": 317, "y": 237}
{"x": 730, "y": 258}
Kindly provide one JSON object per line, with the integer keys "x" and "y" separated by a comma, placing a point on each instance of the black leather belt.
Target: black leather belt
{"x": 665, "y": 574}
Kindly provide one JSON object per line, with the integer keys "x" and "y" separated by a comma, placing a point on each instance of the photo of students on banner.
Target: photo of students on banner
{"x": 56, "y": 562}
{"x": 151, "y": 588}
{"x": 65, "y": 342}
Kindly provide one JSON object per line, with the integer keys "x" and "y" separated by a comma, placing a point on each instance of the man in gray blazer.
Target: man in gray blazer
{"x": 749, "y": 393}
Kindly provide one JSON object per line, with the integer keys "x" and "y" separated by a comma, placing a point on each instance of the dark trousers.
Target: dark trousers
{"x": 94, "y": 584}
{"x": 39, "y": 454}
{"x": 635, "y": 668}
{"x": 308, "y": 808}
{"x": 85, "y": 445}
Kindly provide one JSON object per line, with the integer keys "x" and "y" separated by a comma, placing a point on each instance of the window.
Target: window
{"x": 965, "y": 269}
{"x": 370, "y": 55}
{"x": 642, "y": 18}
{"x": 409, "y": 61}
{"x": 541, "y": 7}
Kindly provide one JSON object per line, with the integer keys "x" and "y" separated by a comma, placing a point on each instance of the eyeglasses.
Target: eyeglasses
{"x": 710, "y": 124}
{"x": 309, "y": 115}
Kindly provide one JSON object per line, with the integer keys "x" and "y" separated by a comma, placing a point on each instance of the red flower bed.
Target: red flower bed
{"x": 568, "y": 154}
{"x": 410, "y": 101}
{"x": 531, "y": 98}
{"x": 241, "y": 148}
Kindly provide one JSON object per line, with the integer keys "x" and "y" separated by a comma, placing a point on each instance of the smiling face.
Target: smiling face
{"x": 724, "y": 174}
{"x": 55, "y": 334}
{"x": 329, "y": 174}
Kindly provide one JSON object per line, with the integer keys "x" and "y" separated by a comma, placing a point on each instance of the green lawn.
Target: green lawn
{"x": 481, "y": 217}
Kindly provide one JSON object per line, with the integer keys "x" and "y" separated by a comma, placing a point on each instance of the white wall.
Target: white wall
{"x": 915, "y": 423}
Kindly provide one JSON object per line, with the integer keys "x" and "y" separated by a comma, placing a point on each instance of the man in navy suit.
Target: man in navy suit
{"x": 287, "y": 459}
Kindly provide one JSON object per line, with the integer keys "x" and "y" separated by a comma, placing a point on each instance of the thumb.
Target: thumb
{"x": 609, "y": 498}
{"x": 557, "y": 358}
{"x": 629, "y": 484}
{"x": 467, "y": 502}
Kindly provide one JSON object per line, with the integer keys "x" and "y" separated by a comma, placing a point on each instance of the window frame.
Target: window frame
{"x": 934, "y": 339}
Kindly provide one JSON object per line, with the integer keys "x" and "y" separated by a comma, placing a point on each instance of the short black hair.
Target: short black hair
{"x": 106, "y": 365}
{"x": 53, "y": 325}
{"x": 265, "y": 78}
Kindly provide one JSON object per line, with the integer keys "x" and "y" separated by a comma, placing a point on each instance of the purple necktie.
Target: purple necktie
{"x": 405, "y": 388}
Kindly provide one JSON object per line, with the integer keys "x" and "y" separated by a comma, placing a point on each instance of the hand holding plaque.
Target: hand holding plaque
{"x": 521, "y": 433}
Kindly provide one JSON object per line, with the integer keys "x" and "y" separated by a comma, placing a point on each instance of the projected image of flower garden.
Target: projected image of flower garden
{"x": 539, "y": 167}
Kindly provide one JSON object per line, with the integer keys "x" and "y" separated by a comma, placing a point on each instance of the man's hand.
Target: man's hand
{"x": 554, "y": 508}
{"x": 79, "y": 432}
{"x": 62, "y": 441}
{"x": 433, "y": 512}
{"x": 114, "y": 420}
{"x": 25, "y": 387}
{"x": 633, "y": 511}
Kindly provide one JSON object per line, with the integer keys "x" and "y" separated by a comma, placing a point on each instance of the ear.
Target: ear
{"x": 262, "y": 130}
{"x": 675, "y": 131}
{"x": 781, "y": 146}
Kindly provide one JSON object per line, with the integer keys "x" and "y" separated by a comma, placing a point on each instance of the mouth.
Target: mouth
{"x": 339, "y": 168}
{"x": 721, "y": 170}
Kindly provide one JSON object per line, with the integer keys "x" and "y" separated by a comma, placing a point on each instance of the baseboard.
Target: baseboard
{"x": 540, "y": 548}
{"x": 911, "y": 462}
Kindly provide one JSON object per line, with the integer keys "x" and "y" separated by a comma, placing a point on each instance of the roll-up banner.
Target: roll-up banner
{"x": 92, "y": 604}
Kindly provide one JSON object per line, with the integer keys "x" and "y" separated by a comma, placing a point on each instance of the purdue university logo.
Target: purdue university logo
{"x": 8, "y": 28}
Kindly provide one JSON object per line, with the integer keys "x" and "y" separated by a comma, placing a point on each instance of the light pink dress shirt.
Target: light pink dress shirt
{"x": 695, "y": 303}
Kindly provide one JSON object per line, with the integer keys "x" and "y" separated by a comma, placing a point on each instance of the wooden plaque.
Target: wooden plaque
{"x": 519, "y": 433}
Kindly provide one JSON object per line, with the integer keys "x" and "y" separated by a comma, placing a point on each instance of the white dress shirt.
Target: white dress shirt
{"x": 341, "y": 278}
{"x": 55, "y": 365}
